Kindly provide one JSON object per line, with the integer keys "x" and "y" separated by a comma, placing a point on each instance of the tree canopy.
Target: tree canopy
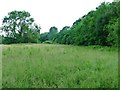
{"x": 20, "y": 28}
{"x": 98, "y": 27}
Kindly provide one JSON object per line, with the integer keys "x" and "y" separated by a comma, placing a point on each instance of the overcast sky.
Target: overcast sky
{"x": 48, "y": 13}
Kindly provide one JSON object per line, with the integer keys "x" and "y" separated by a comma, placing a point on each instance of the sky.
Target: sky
{"x": 48, "y": 13}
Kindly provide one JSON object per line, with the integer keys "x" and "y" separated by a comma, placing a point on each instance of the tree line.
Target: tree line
{"x": 98, "y": 27}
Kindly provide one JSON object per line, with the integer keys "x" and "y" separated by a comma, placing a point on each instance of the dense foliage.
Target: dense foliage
{"x": 99, "y": 27}
{"x": 19, "y": 27}
{"x": 49, "y": 36}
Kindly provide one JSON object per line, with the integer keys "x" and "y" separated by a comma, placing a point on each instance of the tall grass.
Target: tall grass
{"x": 59, "y": 66}
{"x": 0, "y": 67}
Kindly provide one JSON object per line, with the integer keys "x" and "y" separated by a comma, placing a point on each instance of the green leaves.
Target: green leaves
{"x": 20, "y": 26}
{"x": 99, "y": 27}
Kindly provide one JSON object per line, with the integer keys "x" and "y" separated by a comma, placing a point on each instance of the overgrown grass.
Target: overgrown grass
{"x": 59, "y": 66}
{"x": 0, "y": 67}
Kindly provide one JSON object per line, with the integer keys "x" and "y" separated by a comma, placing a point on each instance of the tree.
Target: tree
{"x": 98, "y": 27}
{"x": 0, "y": 39}
{"x": 19, "y": 26}
{"x": 43, "y": 37}
{"x": 116, "y": 0}
{"x": 52, "y": 33}
{"x": 62, "y": 35}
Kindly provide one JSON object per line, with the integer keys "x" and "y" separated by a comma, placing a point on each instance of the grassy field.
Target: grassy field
{"x": 0, "y": 67}
{"x": 59, "y": 66}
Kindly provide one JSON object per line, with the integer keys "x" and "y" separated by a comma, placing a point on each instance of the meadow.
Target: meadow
{"x": 0, "y": 67}
{"x": 59, "y": 66}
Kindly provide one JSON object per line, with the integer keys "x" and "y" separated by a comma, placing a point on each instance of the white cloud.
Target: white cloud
{"x": 49, "y": 13}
